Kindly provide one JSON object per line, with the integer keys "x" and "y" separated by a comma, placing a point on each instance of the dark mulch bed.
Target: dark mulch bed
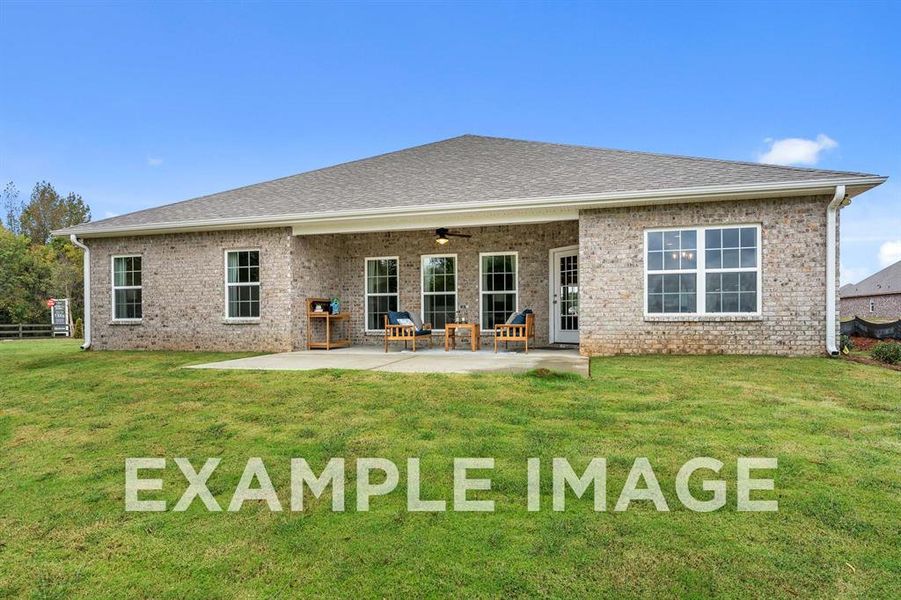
{"x": 863, "y": 343}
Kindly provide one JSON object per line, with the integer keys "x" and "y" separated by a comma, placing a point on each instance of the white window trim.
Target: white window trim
{"x": 114, "y": 287}
{"x": 515, "y": 256}
{"x": 366, "y": 293}
{"x": 422, "y": 260}
{"x": 259, "y": 284}
{"x": 701, "y": 272}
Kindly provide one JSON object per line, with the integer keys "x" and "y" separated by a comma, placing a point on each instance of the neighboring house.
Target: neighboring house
{"x": 618, "y": 252}
{"x": 878, "y": 296}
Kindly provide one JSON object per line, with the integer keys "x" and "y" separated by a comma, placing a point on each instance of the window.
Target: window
{"x": 672, "y": 264}
{"x": 731, "y": 270}
{"x": 498, "y": 276}
{"x": 127, "y": 288}
{"x": 381, "y": 290}
{"x": 242, "y": 283}
{"x": 439, "y": 289}
{"x": 872, "y": 306}
{"x": 724, "y": 278}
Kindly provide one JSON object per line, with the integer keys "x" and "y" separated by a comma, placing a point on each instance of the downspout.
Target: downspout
{"x": 838, "y": 201}
{"x": 87, "y": 291}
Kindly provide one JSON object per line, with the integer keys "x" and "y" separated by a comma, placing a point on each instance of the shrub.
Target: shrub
{"x": 887, "y": 352}
{"x": 79, "y": 329}
{"x": 846, "y": 343}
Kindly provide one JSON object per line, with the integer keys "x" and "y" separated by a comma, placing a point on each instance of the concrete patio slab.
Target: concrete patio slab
{"x": 421, "y": 361}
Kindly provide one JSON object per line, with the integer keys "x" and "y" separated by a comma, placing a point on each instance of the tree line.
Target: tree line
{"x": 33, "y": 265}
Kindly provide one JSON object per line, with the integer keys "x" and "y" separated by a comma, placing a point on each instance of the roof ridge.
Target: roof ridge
{"x": 680, "y": 156}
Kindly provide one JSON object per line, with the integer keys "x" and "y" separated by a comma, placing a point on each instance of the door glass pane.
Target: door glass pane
{"x": 568, "y": 294}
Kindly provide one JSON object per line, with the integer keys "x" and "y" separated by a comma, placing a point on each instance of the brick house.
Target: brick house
{"x": 616, "y": 251}
{"x": 876, "y": 297}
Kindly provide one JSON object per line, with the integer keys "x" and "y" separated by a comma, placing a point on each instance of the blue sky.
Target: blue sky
{"x": 136, "y": 105}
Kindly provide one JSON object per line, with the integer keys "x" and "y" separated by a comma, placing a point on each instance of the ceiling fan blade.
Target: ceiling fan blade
{"x": 442, "y": 234}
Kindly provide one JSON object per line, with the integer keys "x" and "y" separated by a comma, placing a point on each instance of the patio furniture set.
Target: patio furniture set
{"x": 407, "y": 327}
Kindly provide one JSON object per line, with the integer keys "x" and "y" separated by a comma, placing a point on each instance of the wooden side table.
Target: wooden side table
{"x": 450, "y": 337}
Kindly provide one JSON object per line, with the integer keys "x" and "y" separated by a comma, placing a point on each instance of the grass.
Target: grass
{"x": 68, "y": 419}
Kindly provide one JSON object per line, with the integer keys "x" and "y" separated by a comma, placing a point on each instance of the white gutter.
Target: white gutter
{"x": 87, "y": 291}
{"x": 838, "y": 200}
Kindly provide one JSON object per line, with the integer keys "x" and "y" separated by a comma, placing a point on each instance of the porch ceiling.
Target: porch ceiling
{"x": 434, "y": 220}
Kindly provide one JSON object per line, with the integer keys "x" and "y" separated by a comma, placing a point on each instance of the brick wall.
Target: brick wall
{"x": 316, "y": 273}
{"x": 184, "y": 281}
{"x": 887, "y": 306}
{"x": 184, "y": 292}
{"x": 793, "y": 232}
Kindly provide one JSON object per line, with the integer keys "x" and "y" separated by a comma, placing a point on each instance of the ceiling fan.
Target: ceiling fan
{"x": 441, "y": 235}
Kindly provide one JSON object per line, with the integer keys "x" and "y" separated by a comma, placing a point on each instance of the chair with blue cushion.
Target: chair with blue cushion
{"x": 520, "y": 327}
{"x": 406, "y": 326}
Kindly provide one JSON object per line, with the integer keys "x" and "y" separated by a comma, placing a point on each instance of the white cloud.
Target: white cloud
{"x": 853, "y": 274}
{"x": 796, "y": 151}
{"x": 890, "y": 253}
{"x": 154, "y": 162}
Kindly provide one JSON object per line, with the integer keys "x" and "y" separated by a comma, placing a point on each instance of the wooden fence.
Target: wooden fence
{"x": 33, "y": 330}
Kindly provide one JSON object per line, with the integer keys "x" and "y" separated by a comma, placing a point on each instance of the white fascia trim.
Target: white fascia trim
{"x": 573, "y": 202}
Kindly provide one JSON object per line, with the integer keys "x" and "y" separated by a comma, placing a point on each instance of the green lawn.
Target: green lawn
{"x": 68, "y": 420}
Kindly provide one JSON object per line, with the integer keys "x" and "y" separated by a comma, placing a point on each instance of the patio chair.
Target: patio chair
{"x": 406, "y": 327}
{"x": 520, "y": 328}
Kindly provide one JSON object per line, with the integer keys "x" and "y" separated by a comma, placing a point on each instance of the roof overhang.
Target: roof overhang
{"x": 870, "y": 294}
{"x": 484, "y": 212}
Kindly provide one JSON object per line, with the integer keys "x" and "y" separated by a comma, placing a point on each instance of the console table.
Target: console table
{"x": 314, "y": 316}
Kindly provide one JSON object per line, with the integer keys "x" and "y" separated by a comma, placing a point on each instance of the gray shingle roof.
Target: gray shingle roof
{"x": 886, "y": 281}
{"x": 462, "y": 169}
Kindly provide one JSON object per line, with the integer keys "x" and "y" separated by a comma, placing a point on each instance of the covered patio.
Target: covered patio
{"x": 370, "y": 358}
{"x": 479, "y": 274}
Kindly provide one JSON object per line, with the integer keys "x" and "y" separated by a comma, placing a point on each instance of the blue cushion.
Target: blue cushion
{"x": 519, "y": 319}
{"x": 393, "y": 316}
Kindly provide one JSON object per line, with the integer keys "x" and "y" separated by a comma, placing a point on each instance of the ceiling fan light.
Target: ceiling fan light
{"x": 441, "y": 240}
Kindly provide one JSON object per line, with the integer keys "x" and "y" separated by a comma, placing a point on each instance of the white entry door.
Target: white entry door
{"x": 564, "y": 279}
